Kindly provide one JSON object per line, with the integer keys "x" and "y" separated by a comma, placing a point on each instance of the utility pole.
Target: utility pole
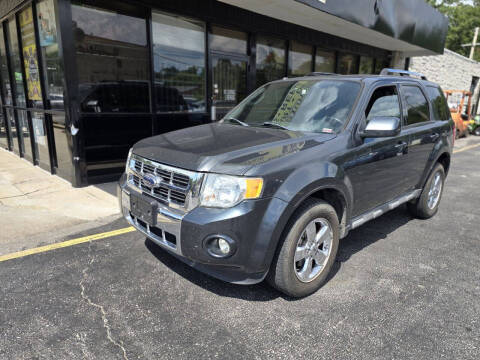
{"x": 473, "y": 44}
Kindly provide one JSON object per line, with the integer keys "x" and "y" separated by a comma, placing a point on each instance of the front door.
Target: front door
{"x": 379, "y": 166}
{"x": 229, "y": 84}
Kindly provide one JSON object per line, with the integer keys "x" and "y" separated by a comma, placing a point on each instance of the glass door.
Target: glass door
{"x": 229, "y": 84}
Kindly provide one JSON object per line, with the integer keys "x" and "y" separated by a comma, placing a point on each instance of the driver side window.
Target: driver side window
{"x": 384, "y": 102}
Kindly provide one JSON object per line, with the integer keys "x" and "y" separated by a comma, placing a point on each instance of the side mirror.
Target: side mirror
{"x": 382, "y": 126}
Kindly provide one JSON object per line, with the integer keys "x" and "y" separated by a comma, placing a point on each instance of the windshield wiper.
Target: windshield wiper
{"x": 274, "y": 125}
{"x": 231, "y": 119}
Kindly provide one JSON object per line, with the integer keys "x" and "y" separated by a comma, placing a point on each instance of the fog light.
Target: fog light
{"x": 220, "y": 246}
{"x": 223, "y": 246}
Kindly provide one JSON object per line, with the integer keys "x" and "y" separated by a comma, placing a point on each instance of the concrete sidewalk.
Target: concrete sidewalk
{"x": 34, "y": 203}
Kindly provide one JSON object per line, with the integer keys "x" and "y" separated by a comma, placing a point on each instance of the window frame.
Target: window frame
{"x": 405, "y": 111}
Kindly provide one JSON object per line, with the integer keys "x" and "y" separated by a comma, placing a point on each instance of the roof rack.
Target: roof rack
{"x": 399, "y": 72}
{"x": 319, "y": 73}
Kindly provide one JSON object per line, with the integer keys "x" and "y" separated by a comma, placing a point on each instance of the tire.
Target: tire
{"x": 285, "y": 273}
{"x": 421, "y": 207}
{"x": 477, "y": 131}
{"x": 457, "y": 134}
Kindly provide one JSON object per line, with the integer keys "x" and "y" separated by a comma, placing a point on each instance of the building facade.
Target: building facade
{"x": 451, "y": 71}
{"x": 83, "y": 80}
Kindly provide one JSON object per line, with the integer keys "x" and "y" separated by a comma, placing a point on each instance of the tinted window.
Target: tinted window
{"x": 51, "y": 54}
{"x": 325, "y": 61}
{"x": 366, "y": 65}
{"x": 111, "y": 50}
{"x": 300, "y": 59}
{"x": 226, "y": 40}
{"x": 348, "y": 64}
{"x": 179, "y": 63}
{"x": 439, "y": 104}
{"x": 384, "y": 102}
{"x": 305, "y": 105}
{"x": 416, "y": 105}
{"x": 270, "y": 59}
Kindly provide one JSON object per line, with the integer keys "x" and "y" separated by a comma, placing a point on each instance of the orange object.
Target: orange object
{"x": 460, "y": 117}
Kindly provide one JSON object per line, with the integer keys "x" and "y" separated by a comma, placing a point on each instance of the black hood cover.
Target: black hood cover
{"x": 224, "y": 148}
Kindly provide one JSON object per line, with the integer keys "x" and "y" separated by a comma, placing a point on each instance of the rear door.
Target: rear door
{"x": 421, "y": 128}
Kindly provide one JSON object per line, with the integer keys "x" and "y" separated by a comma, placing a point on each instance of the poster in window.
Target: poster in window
{"x": 46, "y": 23}
{"x": 30, "y": 55}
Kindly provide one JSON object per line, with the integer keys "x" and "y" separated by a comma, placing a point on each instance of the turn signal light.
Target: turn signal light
{"x": 254, "y": 188}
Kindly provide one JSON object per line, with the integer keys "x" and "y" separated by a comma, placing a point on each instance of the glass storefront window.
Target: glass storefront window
{"x": 300, "y": 59}
{"x": 325, "y": 61}
{"x": 179, "y": 63}
{"x": 51, "y": 53}
{"x": 112, "y": 60}
{"x": 366, "y": 65}
{"x": 7, "y": 91}
{"x": 380, "y": 63}
{"x": 29, "y": 50}
{"x": 226, "y": 40}
{"x": 15, "y": 63}
{"x": 347, "y": 64}
{"x": 270, "y": 59}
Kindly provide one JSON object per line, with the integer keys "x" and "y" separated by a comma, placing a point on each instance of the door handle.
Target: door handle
{"x": 401, "y": 148}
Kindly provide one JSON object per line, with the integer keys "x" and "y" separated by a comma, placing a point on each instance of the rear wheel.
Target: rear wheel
{"x": 477, "y": 131}
{"x": 427, "y": 204}
{"x": 308, "y": 250}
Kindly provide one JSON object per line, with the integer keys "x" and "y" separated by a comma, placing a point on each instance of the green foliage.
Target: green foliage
{"x": 463, "y": 18}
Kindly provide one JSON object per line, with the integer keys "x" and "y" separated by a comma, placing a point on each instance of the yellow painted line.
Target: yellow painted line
{"x": 67, "y": 243}
{"x": 466, "y": 148}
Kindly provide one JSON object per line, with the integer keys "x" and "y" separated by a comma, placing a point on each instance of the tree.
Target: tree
{"x": 463, "y": 18}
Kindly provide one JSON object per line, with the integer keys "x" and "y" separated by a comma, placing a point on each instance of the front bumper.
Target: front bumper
{"x": 251, "y": 224}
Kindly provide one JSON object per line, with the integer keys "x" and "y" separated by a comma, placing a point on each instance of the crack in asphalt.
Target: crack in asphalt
{"x": 99, "y": 307}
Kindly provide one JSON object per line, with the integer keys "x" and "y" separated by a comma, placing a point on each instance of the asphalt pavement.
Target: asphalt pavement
{"x": 401, "y": 288}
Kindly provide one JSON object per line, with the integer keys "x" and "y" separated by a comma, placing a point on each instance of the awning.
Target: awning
{"x": 409, "y": 26}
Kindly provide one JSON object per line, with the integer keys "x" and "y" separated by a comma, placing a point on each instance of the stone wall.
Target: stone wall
{"x": 450, "y": 71}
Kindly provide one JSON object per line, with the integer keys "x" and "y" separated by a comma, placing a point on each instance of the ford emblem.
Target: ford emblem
{"x": 151, "y": 180}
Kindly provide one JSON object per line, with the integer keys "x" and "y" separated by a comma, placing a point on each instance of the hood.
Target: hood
{"x": 225, "y": 148}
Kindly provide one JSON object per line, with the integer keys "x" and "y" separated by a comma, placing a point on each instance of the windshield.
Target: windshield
{"x": 303, "y": 105}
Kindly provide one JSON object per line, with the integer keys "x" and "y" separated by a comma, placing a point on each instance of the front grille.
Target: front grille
{"x": 174, "y": 185}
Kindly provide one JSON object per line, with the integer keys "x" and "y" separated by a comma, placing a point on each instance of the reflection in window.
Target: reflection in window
{"x": 416, "y": 104}
{"x": 179, "y": 63}
{"x": 384, "y": 102}
{"x": 325, "y": 61}
{"x": 439, "y": 104}
{"x": 15, "y": 62}
{"x": 300, "y": 59}
{"x": 51, "y": 55}
{"x": 366, "y": 65}
{"x": 226, "y": 40}
{"x": 380, "y": 63}
{"x": 7, "y": 91}
{"x": 112, "y": 59}
{"x": 348, "y": 64}
{"x": 270, "y": 59}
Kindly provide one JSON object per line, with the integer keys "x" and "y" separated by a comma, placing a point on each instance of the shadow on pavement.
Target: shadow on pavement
{"x": 356, "y": 241}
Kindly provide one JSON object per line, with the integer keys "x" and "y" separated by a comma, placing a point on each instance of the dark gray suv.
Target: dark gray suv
{"x": 269, "y": 190}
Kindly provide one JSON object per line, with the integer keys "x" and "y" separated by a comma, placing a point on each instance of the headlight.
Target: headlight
{"x": 224, "y": 191}
{"x": 127, "y": 165}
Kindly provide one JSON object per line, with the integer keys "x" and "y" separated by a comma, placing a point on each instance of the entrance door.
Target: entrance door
{"x": 229, "y": 84}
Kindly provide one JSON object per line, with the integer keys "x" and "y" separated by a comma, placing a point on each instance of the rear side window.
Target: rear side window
{"x": 416, "y": 105}
{"x": 439, "y": 104}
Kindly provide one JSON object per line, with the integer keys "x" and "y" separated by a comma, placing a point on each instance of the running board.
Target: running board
{"x": 382, "y": 209}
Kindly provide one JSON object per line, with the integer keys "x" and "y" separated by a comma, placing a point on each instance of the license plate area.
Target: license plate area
{"x": 144, "y": 209}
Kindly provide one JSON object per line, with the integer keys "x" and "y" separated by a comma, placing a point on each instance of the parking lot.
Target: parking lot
{"x": 401, "y": 289}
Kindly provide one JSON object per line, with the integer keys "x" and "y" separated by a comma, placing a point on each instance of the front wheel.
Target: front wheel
{"x": 477, "y": 131}
{"x": 427, "y": 204}
{"x": 308, "y": 250}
